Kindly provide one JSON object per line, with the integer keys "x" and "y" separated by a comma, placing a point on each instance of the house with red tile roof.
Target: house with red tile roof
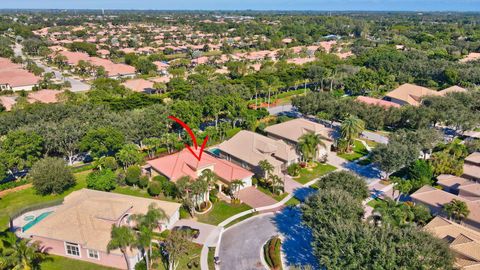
{"x": 183, "y": 163}
{"x": 14, "y": 77}
{"x": 7, "y": 102}
{"x": 140, "y": 85}
{"x": 44, "y": 96}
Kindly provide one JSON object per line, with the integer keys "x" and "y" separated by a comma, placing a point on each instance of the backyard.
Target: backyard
{"x": 54, "y": 262}
{"x": 312, "y": 172}
{"x": 222, "y": 210}
{"x": 15, "y": 201}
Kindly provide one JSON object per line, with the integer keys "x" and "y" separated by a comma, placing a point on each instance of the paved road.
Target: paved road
{"x": 240, "y": 246}
{"x": 77, "y": 85}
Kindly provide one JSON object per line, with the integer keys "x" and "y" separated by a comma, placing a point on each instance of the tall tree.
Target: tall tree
{"x": 351, "y": 128}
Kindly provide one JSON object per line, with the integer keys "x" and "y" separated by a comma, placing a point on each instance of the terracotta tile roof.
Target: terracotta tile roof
{"x": 252, "y": 148}
{"x": 473, "y": 157}
{"x": 44, "y": 96}
{"x": 411, "y": 94}
{"x": 293, "y": 129}
{"x": 470, "y": 57}
{"x": 13, "y": 74}
{"x": 7, "y": 102}
{"x": 183, "y": 163}
{"x": 139, "y": 85}
{"x": 462, "y": 240}
{"x": 377, "y": 102}
{"x": 453, "y": 89}
{"x": 86, "y": 217}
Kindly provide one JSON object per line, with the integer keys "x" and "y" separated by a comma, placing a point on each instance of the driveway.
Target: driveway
{"x": 255, "y": 198}
{"x": 205, "y": 229}
{"x": 241, "y": 244}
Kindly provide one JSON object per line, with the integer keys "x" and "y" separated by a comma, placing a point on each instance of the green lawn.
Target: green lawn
{"x": 359, "y": 150}
{"x": 211, "y": 262}
{"x": 17, "y": 200}
{"x": 292, "y": 202}
{"x": 241, "y": 219}
{"x": 308, "y": 174}
{"x": 60, "y": 263}
{"x": 222, "y": 210}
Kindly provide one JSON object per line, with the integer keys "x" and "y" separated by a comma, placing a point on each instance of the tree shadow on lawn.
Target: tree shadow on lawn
{"x": 296, "y": 245}
{"x": 368, "y": 171}
{"x": 303, "y": 193}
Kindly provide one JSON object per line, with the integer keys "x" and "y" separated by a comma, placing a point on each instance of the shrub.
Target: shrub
{"x": 272, "y": 253}
{"x": 143, "y": 181}
{"x": 154, "y": 188}
{"x": 169, "y": 189}
{"x": 133, "y": 175}
{"x": 160, "y": 178}
{"x": 104, "y": 180}
{"x": 294, "y": 169}
{"x": 51, "y": 175}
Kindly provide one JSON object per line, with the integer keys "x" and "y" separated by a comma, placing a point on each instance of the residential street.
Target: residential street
{"x": 77, "y": 85}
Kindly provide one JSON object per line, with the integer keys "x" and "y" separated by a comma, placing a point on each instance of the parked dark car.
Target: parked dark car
{"x": 191, "y": 231}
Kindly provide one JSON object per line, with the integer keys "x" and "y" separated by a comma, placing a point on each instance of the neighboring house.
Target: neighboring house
{"x": 453, "y": 89}
{"x": 291, "y": 132}
{"x": 377, "y": 102}
{"x": 248, "y": 148}
{"x": 14, "y": 77}
{"x": 7, "y": 102}
{"x": 140, "y": 85}
{"x": 183, "y": 163}
{"x": 473, "y": 56}
{"x": 44, "y": 96}
{"x": 409, "y": 94}
{"x": 435, "y": 199}
{"x": 464, "y": 242}
{"x": 80, "y": 227}
{"x": 471, "y": 167}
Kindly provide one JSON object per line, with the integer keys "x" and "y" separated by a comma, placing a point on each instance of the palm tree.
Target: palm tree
{"x": 149, "y": 221}
{"x": 21, "y": 254}
{"x": 267, "y": 167}
{"x": 198, "y": 190}
{"x": 392, "y": 213}
{"x": 122, "y": 238}
{"x": 210, "y": 178}
{"x": 351, "y": 128}
{"x": 276, "y": 182}
{"x": 308, "y": 144}
{"x": 236, "y": 185}
{"x": 457, "y": 209}
{"x": 144, "y": 240}
{"x": 402, "y": 186}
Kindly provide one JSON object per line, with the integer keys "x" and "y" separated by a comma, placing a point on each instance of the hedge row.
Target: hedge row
{"x": 13, "y": 184}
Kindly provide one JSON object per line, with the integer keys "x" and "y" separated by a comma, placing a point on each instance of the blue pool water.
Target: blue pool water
{"x": 214, "y": 151}
{"x": 35, "y": 221}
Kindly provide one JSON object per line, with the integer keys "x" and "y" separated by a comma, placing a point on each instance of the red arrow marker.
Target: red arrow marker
{"x": 194, "y": 140}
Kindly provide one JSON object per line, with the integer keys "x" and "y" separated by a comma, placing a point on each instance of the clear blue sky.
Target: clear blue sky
{"x": 400, "y": 5}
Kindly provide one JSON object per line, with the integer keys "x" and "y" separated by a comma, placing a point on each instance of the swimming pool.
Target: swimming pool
{"x": 35, "y": 220}
{"x": 214, "y": 151}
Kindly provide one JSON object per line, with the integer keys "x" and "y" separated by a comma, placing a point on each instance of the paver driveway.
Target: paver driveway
{"x": 255, "y": 198}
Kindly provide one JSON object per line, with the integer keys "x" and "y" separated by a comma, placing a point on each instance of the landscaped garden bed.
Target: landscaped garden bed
{"x": 272, "y": 254}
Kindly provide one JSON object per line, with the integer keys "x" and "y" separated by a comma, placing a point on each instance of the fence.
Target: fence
{"x": 33, "y": 207}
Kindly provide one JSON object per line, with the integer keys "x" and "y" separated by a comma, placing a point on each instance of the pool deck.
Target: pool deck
{"x": 20, "y": 221}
